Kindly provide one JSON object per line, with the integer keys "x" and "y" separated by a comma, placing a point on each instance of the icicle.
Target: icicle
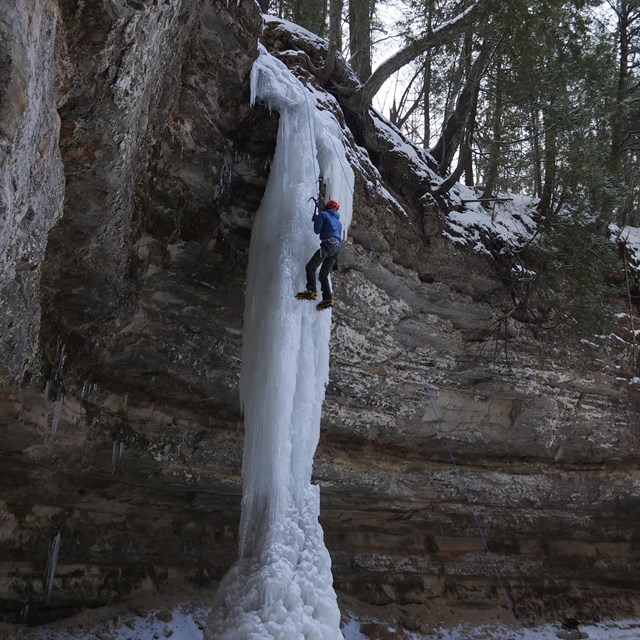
{"x": 52, "y": 563}
{"x": 59, "y": 348}
{"x": 47, "y": 388}
{"x": 24, "y": 612}
{"x": 62, "y": 360}
{"x": 116, "y": 452}
{"x": 89, "y": 437}
{"x": 125, "y": 402}
{"x": 118, "y": 448}
{"x": 57, "y": 411}
{"x": 85, "y": 389}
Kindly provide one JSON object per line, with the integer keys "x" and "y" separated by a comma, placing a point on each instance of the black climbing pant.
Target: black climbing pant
{"x": 327, "y": 255}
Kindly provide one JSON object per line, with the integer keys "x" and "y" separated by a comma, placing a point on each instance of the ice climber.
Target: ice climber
{"x": 327, "y": 224}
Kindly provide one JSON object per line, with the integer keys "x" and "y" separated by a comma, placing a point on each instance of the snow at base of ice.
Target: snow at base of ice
{"x": 282, "y": 586}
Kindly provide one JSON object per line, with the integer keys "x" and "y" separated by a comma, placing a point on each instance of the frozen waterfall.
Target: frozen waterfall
{"x": 281, "y": 586}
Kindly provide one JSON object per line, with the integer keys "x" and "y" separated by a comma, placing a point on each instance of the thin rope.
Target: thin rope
{"x": 316, "y": 174}
{"x": 458, "y": 471}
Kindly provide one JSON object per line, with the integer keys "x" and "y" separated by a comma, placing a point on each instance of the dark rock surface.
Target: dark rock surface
{"x": 131, "y": 165}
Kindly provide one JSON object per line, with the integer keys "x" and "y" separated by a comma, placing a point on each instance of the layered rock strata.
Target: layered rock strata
{"x": 131, "y": 166}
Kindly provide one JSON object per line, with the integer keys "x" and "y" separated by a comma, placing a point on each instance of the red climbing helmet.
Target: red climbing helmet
{"x": 333, "y": 204}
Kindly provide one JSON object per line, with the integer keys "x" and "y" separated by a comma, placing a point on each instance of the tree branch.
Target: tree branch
{"x": 362, "y": 98}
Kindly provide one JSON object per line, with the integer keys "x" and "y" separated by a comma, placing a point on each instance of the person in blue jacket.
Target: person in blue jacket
{"x": 327, "y": 224}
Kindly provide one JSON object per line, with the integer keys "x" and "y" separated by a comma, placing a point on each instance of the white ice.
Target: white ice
{"x": 281, "y": 587}
{"x": 52, "y": 565}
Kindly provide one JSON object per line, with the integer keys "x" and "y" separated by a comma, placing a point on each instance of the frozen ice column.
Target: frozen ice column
{"x": 281, "y": 586}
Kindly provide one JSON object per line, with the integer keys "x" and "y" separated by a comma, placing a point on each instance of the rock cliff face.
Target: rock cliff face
{"x": 131, "y": 165}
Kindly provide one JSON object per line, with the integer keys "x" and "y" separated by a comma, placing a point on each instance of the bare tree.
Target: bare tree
{"x": 458, "y": 124}
{"x": 362, "y": 97}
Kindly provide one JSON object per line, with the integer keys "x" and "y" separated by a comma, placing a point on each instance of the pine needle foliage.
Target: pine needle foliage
{"x": 569, "y": 276}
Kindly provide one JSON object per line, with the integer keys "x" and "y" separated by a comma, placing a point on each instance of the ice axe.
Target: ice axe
{"x": 321, "y": 188}
{"x": 317, "y": 208}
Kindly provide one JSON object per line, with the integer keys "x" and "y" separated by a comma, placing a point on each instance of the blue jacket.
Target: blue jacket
{"x": 327, "y": 224}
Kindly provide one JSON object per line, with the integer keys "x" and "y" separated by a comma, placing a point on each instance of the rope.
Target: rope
{"x": 458, "y": 471}
{"x": 316, "y": 174}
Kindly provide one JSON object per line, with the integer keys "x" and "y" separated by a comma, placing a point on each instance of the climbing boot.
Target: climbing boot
{"x": 306, "y": 295}
{"x": 325, "y": 304}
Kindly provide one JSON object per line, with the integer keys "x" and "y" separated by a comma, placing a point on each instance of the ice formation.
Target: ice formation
{"x": 281, "y": 586}
{"x": 117, "y": 449}
{"x": 52, "y": 564}
{"x": 57, "y": 412}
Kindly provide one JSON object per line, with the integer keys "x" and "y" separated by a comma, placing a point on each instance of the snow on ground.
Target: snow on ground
{"x": 186, "y": 623}
{"x": 631, "y": 238}
{"x": 306, "y": 36}
{"x": 617, "y": 630}
{"x": 181, "y": 623}
{"x": 509, "y": 224}
{"x": 419, "y": 158}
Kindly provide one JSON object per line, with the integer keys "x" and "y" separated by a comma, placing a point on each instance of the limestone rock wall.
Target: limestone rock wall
{"x": 130, "y": 177}
{"x": 31, "y": 176}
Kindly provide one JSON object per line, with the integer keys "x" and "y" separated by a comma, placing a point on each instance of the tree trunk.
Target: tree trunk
{"x": 468, "y": 156}
{"x": 630, "y": 206}
{"x": 454, "y": 86}
{"x": 618, "y": 120}
{"x": 537, "y": 153}
{"x": 491, "y": 182}
{"x": 360, "y": 17}
{"x": 426, "y": 107}
{"x": 335, "y": 14}
{"x": 550, "y": 154}
{"x": 468, "y": 167}
{"x": 444, "y": 150}
{"x": 466, "y": 145}
{"x": 426, "y": 83}
{"x": 622, "y": 156}
{"x": 361, "y": 99}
